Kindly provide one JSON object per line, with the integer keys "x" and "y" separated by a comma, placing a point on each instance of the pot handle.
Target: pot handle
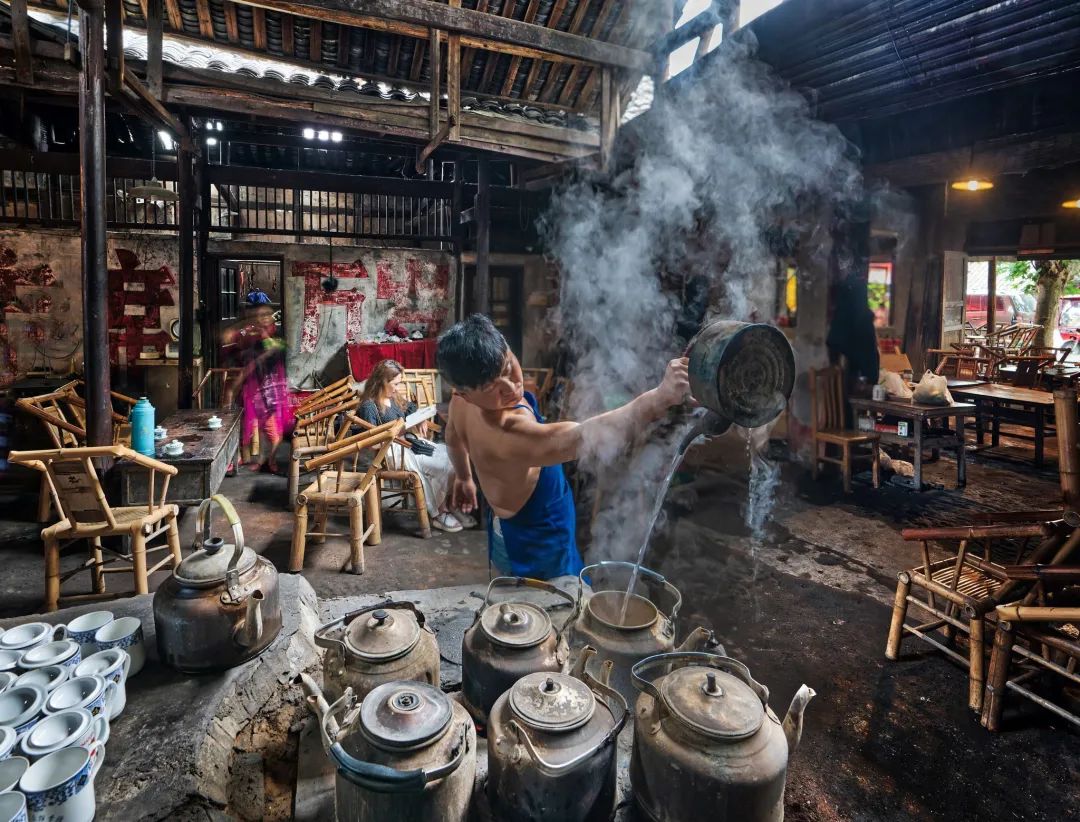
{"x": 676, "y": 596}
{"x": 324, "y": 641}
{"x": 721, "y": 663}
{"x": 384, "y": 779}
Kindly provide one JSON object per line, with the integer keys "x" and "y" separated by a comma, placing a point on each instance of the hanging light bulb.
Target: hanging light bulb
{"x": 1071, "y": 203}
{"x": 974, "y": 184}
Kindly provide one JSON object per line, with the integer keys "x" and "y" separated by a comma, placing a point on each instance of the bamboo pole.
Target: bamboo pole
{"x": 1068, "y": 455}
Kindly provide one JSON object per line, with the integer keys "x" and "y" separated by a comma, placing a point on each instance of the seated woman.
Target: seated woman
{"x": 381, "y": 402}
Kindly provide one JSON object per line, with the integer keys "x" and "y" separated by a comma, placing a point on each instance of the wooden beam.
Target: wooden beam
{"x": 469, "y": 55}
{"x": 206, "y": 25}
{"x": 188, "y": 192}
{"x": 154, "y": 107}
{"x": 436, "y": 141}
{"x": 609, "y": 115}
{"x": 515, "y": 61}
{"x": 418, "y": 59}
{"x": 619, "y": 31}
{"x": 412, "y": 18}
{"x": 453, "y": 81}
{"x": 547, "y": 93}
{"x": 482, "y": 204}
{"x": 288, "y": 44}
{"x": 315, "y": 42}
{"x": 343, "y": 46}
{"x": 567, "y": 97}
{"x": 20, "y": 33}
{"x": 114, "y": 42}
{"x": 232, "y": 27}
{"x": 144, "y": 8}
{"x": 395, "y": 56}
{"x": 258, "y": 25}
{"x": 494, "y": 57}
{"x": 176, "y": 22}
{"x": 534, "y": 70}
{"x": 436, "y": 83}
{"x": 153, "y": 47}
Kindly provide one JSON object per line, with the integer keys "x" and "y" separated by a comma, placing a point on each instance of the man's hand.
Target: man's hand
{"x": 463, "y": 495}
{"x": 674, "y": 389}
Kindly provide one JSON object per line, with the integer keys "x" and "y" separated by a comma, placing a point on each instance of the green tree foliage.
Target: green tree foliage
{"x": 1049, "y": 280}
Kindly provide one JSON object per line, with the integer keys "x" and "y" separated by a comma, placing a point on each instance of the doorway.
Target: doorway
{"x": 507, "y": 302}
{"x": 240, "y": 286}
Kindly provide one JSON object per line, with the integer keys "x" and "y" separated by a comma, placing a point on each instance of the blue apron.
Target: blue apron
{"x": 539, "y": 541}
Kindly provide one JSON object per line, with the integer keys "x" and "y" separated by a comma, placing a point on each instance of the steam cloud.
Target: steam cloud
{"x": 714, "y": 174}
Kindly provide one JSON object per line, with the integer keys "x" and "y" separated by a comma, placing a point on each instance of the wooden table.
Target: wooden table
{"x": 1007, "y": 403}
{"x": 203, "y": 464}
{"x": 918, "y": 414}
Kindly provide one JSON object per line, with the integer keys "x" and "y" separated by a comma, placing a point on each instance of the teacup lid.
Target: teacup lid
{"x": 551, "y": 701}
{"x": 58, "y": 730}
{"x": 516, "y": 624}
{"x": 713, "y": 702}
{"x": 404, "y": 714}
{"x": 382, "y": 634}
{"x": 50, "y": 652}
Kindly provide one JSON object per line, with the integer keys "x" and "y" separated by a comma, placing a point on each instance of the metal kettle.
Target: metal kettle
{"x": 508, "y": 640}
{"x": 220, "y": 606}
{"x": 705, "y": 737}
{"x": 382, "y": 643}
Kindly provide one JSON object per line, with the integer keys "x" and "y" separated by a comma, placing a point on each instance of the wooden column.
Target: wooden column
{"x": 185, "y": 164}
{"x": 482, "y": 211}
{"x": 206, "y": 282}
{"x": 991, "y": 295}
{"x": 20, "y": 35}
{"x": 153, "y": 46}
{"x": 94, "y": 242}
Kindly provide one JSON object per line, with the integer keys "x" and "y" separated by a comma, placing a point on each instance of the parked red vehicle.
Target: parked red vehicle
{"x": 1009, "y": 309}
{"x": 1068, "y": 322}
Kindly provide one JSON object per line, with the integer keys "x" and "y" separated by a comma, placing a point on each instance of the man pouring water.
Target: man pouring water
{"x": 496, "y": 426}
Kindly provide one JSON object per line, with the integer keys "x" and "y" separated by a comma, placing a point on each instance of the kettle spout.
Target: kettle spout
{"x": 250, "y": 631}
{"x": 793, "y": 722}
{"x": 701, "y": 639}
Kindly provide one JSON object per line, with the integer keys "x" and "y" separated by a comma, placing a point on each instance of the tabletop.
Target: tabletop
{"x": 912, "y": 409}
{"x": 1007, "y": 393}
{"x": 200, "y": 443}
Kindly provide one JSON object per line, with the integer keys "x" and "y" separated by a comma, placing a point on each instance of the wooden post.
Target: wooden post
{"x": 991, "y": 296}
{"x": 206, "y": 283}
{"x": 114, "y": 28}
{"x": 20, "y": 34}
{"x": 436, "y": 83}
{"x": 153, "y": 46}
{"x": 185, "y": 160}
{"x": 1068, "y": 456}
{"x": 453, "y": 80}
{"x": 609, "y": 115}
{"x": 94, "y": 242}
{"x": 482, "y": 210}
{"x": 457, "y": 232}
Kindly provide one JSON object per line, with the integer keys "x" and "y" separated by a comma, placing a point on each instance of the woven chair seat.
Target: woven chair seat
{"x": 973, "y": 583}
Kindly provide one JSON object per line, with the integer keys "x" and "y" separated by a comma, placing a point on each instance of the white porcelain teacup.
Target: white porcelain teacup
{"x": 214, "y": 423}
{"x": 91, "y": 692}
{"x": 63, "y": 652}
{"x": 174, "y": 448}
{"x": 8, "y": 738}
{"x": 20, "y": 707}
{"x": 50, "y": 677}
{"x": 9, "y": 661}
{"x": 67, "y": 729}
{"x": 7, "y": 679}
{"x": 12, "y": 807}
{"x": 160, "y": 433}
{"x": 11, "y": 771}
{"x": 112, "y": 664}
{"x": 61, "y": 785}
{"x": 125, "y": 633}
{"x": 83, "y": 627}
{"x": 26, "y": 636}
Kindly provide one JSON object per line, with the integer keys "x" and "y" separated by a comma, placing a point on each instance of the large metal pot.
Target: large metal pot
{"x": 406, "y": 753}
{"x": 647, "y": 628}
{"x": 705, "y": 737}
{"x": 551, "y": 749}
{"x": 220, "y": 606}
{"x": 383, "y": 643}
{"x": 508, "y": 640}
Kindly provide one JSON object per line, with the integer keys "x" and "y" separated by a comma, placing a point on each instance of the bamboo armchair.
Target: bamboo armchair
{"x": 317, "y": 432}
{"x": 962, "y": 589}
{"x": 339, "y": 490}
{"x": 545, "y": 382}
{"x": 397, "y": 485}
{"x": 827, "y": 421}
{"x": 86, "y": 513}
{"x": 222, "y": 382}
{"x": 421, "y": 383}
{"x": 331, "y": 394}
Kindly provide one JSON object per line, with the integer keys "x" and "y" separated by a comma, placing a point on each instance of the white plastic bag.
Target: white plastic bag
{"x": 932, "y": 390}
{"x": 895, "y": 385}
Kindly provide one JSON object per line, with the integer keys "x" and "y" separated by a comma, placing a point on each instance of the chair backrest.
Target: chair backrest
{"x": 420, "y": 383}
{"x": 327, "y": 395}
{"x": 221, "y": 382}
{"x": 54, "y": 411}
{"x": 970, "y": 367}
{"x": 376, "y": 440}
{"x": 324, "y": 425}
{"x": 827, "y": 398}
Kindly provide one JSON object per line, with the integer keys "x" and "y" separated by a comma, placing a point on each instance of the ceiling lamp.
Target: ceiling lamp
{"x": 153, "y": 191}
{"x": 1071, "y": 203}
{"x": 973, "y": 184}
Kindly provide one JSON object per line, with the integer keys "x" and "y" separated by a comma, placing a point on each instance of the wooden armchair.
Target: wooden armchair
{"x": 960, "y": 590}
{"x": 317, "y": 432}
{"x": 397, "y": 485}
{"x": 328, "y": 395}
{"x": 827, "y": 419}
{"x": 86, "y": 513}
{"x": 222, "y": 383}
{"x": 339, "y": 489}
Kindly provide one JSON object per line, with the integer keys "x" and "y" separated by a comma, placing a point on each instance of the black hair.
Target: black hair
{"x": 472, "y": 352}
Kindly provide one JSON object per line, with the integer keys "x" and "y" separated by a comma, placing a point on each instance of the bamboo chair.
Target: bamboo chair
{"x": 545, "y": 382}
{"x": 331, "y": 394}
{"x": 971, "y": 368}
{"x": 398, "y": 486}
{"x": 339, "y": 490}
{"x": 1028, "y": 373}
{"x": 86, "y": 513}
{"x": 222, "y": 383}
{"x": 960, "y": 590}
{"x": 316, "y": 433}
{"x": 827, "y": 420}
{"x": 1036, "y": 636}
{"x": 421, "y": 384}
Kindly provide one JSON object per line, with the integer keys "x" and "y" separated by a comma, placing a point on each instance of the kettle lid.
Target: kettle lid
{"x": 713, "y": 702}
{"x": 552, "y": 701}
{"x": 515, "y": 624}
{"x": 404, "y": 715}
{"x": 382, "y": 634}
{"x": 208, "y": 565}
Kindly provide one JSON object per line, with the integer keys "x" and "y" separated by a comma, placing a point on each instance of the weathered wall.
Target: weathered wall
{"x": 41, "y": 298}
{"x": 375, "y": 284}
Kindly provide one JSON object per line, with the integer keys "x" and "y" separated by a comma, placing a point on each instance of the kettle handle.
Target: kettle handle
{"x": 384, "y": 779}
{"x": 324, "y": 641}
{"x": 203, "y": 522}
{"x": 660, "y": 579}
{"x": 721, "y": 663}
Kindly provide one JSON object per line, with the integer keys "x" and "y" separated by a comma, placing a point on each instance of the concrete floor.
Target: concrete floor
{"x": 808, "y": 603}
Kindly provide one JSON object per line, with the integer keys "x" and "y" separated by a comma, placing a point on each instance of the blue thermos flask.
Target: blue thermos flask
{"x": 142, "y": 427}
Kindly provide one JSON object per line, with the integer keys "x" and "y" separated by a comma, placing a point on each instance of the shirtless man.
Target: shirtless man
{"x": 497, "y": 427}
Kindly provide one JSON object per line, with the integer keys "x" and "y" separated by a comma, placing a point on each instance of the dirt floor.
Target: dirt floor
{"x": 810, "y": 602}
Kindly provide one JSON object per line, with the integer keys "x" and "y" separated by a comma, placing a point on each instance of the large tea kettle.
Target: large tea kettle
{"x": 220, "y": 606}
{"x": 705, "y": 737}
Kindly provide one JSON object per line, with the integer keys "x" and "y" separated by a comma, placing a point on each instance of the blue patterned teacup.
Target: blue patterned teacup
{"x": 114, "y": 665}
{"x": 91, "y": 692}
{"x": 61, "y": 785}
{"x": 63, "y": 652}
{"x": 20, "y": 707}
{"x": 12, "y": 807}
{"x": 83, "y": 627}
{"x": 50, "y": 677}
{"x": 125, "y": 633}
{"x": 11, "y": 771}
{"x": 26, "y": 636}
